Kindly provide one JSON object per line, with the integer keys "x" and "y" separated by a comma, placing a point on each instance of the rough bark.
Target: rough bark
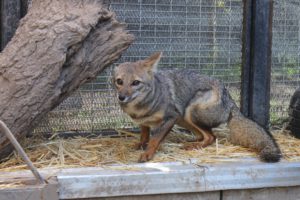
{"x": 58, "y": 45}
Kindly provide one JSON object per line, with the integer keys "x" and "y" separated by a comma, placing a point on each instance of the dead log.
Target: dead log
{"x": 58, "y": 45}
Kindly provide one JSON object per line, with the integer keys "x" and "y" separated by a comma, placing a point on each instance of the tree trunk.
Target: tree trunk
{"x": 58, "y": 45}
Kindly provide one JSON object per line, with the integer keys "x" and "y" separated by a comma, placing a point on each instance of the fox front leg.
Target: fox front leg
{"x": 145, "y": 136}
{"x": 159, "y": 134}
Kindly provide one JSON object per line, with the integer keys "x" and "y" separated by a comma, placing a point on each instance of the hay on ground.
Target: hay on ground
{"x": 104, "y": 151}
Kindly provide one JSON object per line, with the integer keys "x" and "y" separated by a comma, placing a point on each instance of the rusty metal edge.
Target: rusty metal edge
{"x": 47, "y": 191}
{"x": 164, "y": 178}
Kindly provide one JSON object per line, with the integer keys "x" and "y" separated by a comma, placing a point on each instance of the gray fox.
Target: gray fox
{"x": 294, "y": 115}
{"x": 157, "y": 100}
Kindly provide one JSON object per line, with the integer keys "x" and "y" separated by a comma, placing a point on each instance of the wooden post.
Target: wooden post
{"x": 256, "y": 60}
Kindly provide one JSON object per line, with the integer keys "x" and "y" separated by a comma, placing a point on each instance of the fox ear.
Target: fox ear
{"x": 152, "y": 61}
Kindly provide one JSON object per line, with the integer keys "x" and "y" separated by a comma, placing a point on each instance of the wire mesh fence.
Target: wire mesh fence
{"x": 285, "y": 57}
{"x": 204, "y": 35}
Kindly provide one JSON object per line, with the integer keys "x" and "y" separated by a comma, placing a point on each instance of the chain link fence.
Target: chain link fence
{"x": 285, "y": 57}
{"x": 197, "y": 34}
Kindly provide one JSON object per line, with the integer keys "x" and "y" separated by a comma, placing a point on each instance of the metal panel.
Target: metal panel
{"x": 204, "y": 35}
{"x": 285, "y": 57}
{"x": 262, "y": 42}
{"x": 158, "y": 178}
{"x": 246, "y": 57}
{"x": 34, "y": 192}
{"x": 257, "y": 60}
{"x": 183, "y": 196}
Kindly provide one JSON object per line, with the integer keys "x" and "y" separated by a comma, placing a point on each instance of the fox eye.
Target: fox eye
{"x": 119, "y": 82}
{"x": 135, "y": 83}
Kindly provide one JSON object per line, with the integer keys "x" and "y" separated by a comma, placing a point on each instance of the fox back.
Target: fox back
{"x": 144, "y": 93}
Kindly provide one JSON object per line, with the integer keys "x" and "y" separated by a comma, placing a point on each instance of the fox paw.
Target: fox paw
{"x": 140, "y": 146}
{"x": 146, "y": 156}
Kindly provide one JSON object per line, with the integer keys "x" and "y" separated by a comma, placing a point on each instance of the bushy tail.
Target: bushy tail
{"x": 247, "y": 133}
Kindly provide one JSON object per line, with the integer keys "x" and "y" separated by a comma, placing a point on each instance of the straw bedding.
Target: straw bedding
{"x": 105, "y": 151}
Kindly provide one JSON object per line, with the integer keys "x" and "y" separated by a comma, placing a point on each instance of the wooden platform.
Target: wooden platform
{"x": 228, "y": 180}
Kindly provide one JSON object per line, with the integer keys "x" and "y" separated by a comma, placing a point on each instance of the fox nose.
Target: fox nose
{"x": 122, "y": 97}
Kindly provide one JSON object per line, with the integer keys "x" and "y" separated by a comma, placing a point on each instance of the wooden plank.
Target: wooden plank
{"x": 189, "y": 196}
{"x": 286, "y": 193}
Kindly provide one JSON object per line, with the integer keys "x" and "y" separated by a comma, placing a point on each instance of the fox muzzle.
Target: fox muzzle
{"x": 123, "y": 99}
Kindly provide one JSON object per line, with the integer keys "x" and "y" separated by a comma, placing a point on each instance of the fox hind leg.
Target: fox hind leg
{"x": 204, "y": 134}
{"x": 206, "y": 138}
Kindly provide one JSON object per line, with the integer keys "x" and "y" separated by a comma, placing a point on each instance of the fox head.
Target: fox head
{"x": 134, "y": 80}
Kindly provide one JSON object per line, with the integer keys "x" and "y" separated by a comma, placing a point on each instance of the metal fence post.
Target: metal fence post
{"x": 256, "y": 60}
{"x": 10, "y": 15}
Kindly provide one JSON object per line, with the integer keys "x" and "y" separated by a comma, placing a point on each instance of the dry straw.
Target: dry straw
{"x": 105, "y": 151}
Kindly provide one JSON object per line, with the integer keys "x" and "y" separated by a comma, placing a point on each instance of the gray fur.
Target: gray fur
{"x": 185, "y": 94}
{"x": 174, "y": 90}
